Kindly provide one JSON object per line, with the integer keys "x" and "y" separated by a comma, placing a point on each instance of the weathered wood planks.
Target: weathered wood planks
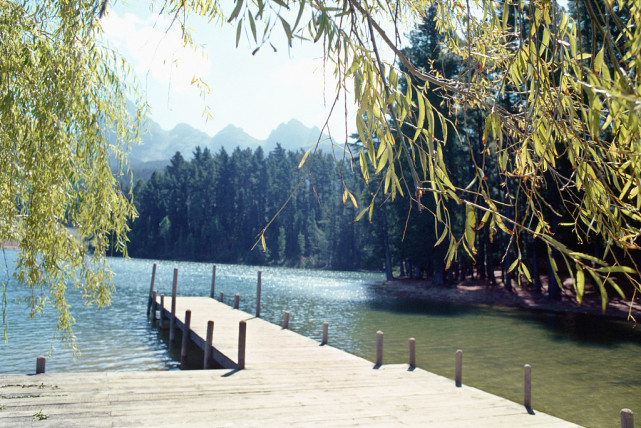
{"x": 289, "y": 380}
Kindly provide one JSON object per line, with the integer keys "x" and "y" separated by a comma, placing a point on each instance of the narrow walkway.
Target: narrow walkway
{"x": 288, "y": 380}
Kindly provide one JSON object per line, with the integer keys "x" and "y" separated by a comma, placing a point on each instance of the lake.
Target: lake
{"x": 585, "y": 369}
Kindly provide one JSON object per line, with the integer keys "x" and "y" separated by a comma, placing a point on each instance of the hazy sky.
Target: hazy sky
{"x": 255, "y": 93}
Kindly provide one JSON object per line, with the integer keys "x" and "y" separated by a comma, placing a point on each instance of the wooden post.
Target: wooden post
{"x": 242, "y": 336}
{"x": 627, "y": 418}
{"x": 151, "y": 287}
{"x": 210, "y": 336}
{"x": 213, "y": 282}
{"x": 221, "y": 296}
{"x": 153, "y": 305}
{"x": 286, "y": 320}
{"x": 379, "y": 348}
{"x": 41, "y": 363}
{"x": 172, "y": 321}
{"x": 258, "y": 285}
{"x": 186, "y": 329}
{"x": 459, "y": 368}
{"x": 412, "y": 352}
{"x": 236, "y": 301}
{"x": 162, "y": 309}
{"x": 325, "y": 329}
{"x": 527, "y": 386}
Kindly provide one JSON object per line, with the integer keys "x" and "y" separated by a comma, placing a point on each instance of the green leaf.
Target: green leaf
{"x": 443, "y": 235}
{"x": 363, "y": 163}
{"x": 602, "y": 292}
{"x": 388, "y": 176}
{"x": 484, "y": 219}
{"x": 236, "y": 11}
{"x": 616, "y": 269}
{"x": 288, "y": 30}
{"x": 421, "y": 115}
{"x": 580, "y": 284}
{"x": 300, "y": 14}
{"x": 361, "y": 214}
{"x": 616, "y": 287}
{"x": 587, "y": 257}
{"x": 470, "y": 227}
{"x": 302, "y": 161}
{"x": 506, "y": 14}
{"x": 252, "y": 25}
{"x": 598, "y": 61}
{"x": 238, "y": 29}
{"x": 321, "y": 28}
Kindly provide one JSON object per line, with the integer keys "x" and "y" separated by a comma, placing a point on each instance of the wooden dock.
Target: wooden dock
{"x": 288, "y": 380}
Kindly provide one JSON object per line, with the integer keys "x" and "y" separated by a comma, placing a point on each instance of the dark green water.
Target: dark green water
{"x": 585, "y": 369}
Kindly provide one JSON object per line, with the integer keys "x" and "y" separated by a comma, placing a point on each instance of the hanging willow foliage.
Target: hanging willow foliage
{"x": 59, "y": 93}
{"x": 580, "y": 106}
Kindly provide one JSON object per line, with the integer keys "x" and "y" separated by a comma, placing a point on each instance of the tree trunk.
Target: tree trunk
{"x": 554, "y": 288}
{"x": 438, "y": 261}
{"x": 482, "y": 267}
{"x": 388, "y": 257}
{"x": 490, "y": 263}
{"x": 535, "y": 268}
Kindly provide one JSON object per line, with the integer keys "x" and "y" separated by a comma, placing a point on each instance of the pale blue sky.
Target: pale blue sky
{"x": 255, "y": 93}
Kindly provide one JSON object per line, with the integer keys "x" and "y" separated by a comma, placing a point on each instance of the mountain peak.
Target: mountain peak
{"x": 292, "y": 135}
{"x": 159, "y": 144}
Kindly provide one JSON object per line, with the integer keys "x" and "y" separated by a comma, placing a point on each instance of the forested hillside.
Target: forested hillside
{"x": 213, "y": 208}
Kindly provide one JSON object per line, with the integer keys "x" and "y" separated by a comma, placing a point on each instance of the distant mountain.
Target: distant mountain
{"x": 159, "y": 145}
{"x": 231, "y": 137}
{"x": 292, "y": 136}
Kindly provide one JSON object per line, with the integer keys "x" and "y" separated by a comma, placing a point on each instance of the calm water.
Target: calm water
{"x": 584, "y": 369}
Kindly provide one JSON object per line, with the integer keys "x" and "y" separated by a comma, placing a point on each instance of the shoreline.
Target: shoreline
{"x": 479, "y": 293}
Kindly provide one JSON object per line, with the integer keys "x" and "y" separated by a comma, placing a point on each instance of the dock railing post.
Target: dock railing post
{"x": 242, "y": 336}
{"x": 627, "y": 418}
{"x": 208, "y": 344}
{"x": 41, "y": 364}
{"x": 236, "y": 301}
{"x": 213, "y": 282}
{"x": 527, "y": 386}
{"x": 258, "y": 286}
{"x": 286, "y": 320}
{"x": 459, "y": 368}
{"x": 412, "y": 353}
{"x": 221, "y": 297}
{"x": 379, "y": 348}
{"x": 162, "y": 309}
{"x": 151, "y": 287}
{"x": 325, "y": 333}
{"x": 154, "y": 305}
{"x": 172, "y": 321}
{"x": 185, "y": 343}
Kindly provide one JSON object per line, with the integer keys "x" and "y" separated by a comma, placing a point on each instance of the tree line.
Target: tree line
{"x": 215, "y": 206}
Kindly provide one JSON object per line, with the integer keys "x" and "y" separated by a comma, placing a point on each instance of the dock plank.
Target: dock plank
{"x": 289, "y": 380}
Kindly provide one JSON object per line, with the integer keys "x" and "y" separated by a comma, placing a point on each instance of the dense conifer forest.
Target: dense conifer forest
{"x": 213, "y": 207}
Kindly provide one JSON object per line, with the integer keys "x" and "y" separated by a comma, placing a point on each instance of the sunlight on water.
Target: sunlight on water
{"x": 585, "y": 369}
